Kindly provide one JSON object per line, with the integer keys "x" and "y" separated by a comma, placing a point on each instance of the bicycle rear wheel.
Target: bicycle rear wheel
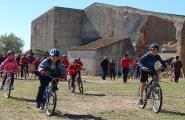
{"x": 7, "y": 87}
{"x": 51, "y": 103}
{"x": 157, "y": 99}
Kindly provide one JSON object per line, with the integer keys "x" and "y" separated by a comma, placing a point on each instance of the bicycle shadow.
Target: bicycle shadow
{"x": 95, "y": 94}
{"x": 22, "y": 99}
{"x": 74, "y": 116}
{"x": 173, "y": 112}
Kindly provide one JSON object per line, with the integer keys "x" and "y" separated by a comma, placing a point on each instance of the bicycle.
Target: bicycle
{"x": 152, "y": 91}
{"x": 78, "y": 82}
{"x": 7, "y": 86}
{"x": 50, "y": 97}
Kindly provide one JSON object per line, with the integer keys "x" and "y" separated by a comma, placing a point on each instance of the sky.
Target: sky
{"x": 16, "y": 15}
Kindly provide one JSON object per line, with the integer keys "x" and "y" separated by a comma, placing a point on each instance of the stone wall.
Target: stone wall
{"x": 68, "y": 27}
{"x": 42, "y": 31}
{"x": 182, "y": 47}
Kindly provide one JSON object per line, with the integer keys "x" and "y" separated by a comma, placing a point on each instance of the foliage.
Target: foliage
{"x": 10, "y": 42}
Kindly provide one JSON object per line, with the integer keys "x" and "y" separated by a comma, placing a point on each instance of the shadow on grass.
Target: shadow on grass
{"x": 94, "y": 94}
{"x": 74, "y": 116}
{"x": 22, "y": 99}
{"x": 173, "y": 112}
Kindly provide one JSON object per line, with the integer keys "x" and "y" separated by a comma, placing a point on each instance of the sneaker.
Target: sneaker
{"x": 38, "y": 105}
{"x": 140, "y": 101}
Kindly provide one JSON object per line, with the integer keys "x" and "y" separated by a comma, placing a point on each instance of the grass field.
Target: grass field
{"x": 102, "y": 100}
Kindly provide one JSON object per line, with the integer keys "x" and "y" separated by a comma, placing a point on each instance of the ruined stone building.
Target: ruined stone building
{"x": 105, "y": 30}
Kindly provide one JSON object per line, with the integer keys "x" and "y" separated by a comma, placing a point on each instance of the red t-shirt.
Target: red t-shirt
{"x": 125, "y": 61}
{"x": 72, "y": 69}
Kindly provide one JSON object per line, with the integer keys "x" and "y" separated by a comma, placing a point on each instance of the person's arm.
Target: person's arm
{"x": 2, "y": 65}
{"x": 43, "y": 65}
{"x": 143, "y": 61}
{"x": 162, "y": 62}
{"x": 62, "y": 69}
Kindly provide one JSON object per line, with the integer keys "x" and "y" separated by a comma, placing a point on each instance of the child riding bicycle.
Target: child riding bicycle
{"x": 73, "y": 70}
{"x": 10, "y": 65}
{"x": 147, "y": 63}
{"x": 49, "y": 67}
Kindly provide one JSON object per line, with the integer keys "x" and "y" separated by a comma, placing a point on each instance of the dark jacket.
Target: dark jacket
{"x": 104, "y": 64}
{"x": 177, "y": 65}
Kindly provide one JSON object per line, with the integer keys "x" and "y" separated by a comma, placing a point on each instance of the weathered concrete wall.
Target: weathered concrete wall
{"x": 114, "y": 51}
{"x": 107, "y": 22}
{"x": 42, "y": 31}
{"x": 156, "y": 30}
{"x": 67, "y": 29}
{"x": 181, "y": 48}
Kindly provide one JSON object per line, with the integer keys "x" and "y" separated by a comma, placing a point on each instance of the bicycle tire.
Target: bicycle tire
{"x": 157, "y": 91}
{"x": 7, "y": 88}
{"x": 143, "y": 105}
{"x": 51, "y": 103}
{"x": 80, "y": 86}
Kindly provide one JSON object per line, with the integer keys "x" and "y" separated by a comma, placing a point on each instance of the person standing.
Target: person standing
{"x": 104, "y": 67}
{"x": 176, "y": 65}
{"x": 125, "y": 62}
{"x": 137, "y": 68}
{"x": 112, "y": 70}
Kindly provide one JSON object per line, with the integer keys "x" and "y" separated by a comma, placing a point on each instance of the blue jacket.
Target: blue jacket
{"x": 46, "y": 64}
{"x": 149, "y": 61}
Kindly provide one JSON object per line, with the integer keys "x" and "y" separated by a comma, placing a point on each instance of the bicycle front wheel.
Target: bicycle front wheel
{"x": 142, "y": 103}
{"x": 157, "y": 99}
{"x": 51, "y": 103}
{"x": 80, "y": 85}
{"x": 7, "y": 88}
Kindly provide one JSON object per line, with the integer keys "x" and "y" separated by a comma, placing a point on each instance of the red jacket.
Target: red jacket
{"x": 36, "y": 63}
{"x": 23, "y": 60}
{"x": 79, "y": 65}
{"x": 73, "y": 69}
{"x": 65, "y": 62}
{"x": 125, "y": 61}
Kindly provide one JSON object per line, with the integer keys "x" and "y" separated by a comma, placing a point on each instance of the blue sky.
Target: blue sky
{"x": 16, "y": 15}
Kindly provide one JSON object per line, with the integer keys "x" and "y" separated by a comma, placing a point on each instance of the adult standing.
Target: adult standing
{"x": 112, "y": 69}
{"x": 176, "y": 65}
{"x": 125, "y": 62}
{"x": 104, "y": 67}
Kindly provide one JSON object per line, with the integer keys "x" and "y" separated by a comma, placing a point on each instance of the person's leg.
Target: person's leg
{"x": 4, "y": 79}
{"x": 114, "y": 75}
{"x": 73, "y": 77}
{"x": 12, "y": 79}
{"x": 143, "y": 79}
{"x": 22, "y": 67}
{"x": 177, "y": 74}
{"x": 44, "y": 81}
{"x": 103, "y": 74}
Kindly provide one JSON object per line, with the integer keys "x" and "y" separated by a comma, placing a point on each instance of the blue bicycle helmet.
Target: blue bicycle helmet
{"x": 55, "y": 52}
{"x": 154, "y": 46}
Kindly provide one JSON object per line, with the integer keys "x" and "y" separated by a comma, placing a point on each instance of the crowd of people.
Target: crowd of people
{"x": 131, "y": 68}
{"x": 55, "y": 66}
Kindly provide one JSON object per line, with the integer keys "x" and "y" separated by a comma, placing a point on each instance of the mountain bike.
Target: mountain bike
{"x": 152, "y": 91}
{"x": 78, "y": 83}
{"x": 7, "y": 86}
{"x": 50, "y": 97}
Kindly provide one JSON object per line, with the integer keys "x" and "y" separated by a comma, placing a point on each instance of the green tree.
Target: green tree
{"x": 10, "y": 42}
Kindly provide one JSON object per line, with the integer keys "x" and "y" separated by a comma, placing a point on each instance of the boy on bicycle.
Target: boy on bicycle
{"x": 73, "y": 70}
{"x": 147, "y": 63}
{"x": 49, "y": 67}
{"x": 10, "y": 65}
